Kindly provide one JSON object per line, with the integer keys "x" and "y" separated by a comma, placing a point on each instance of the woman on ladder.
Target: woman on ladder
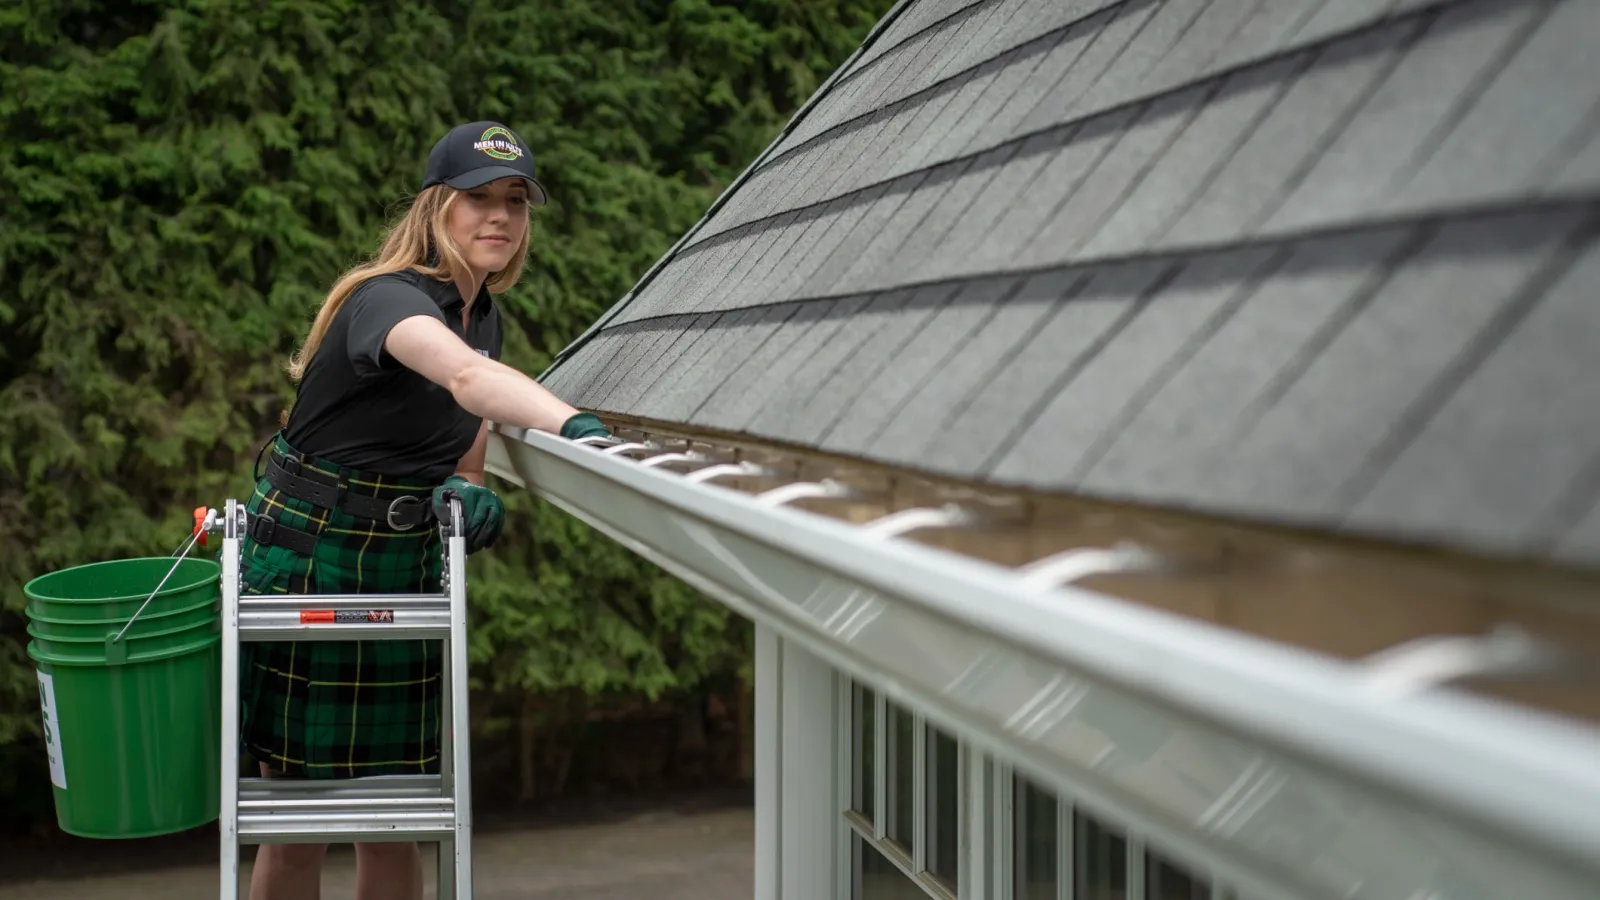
{"x": 396, "y": 377}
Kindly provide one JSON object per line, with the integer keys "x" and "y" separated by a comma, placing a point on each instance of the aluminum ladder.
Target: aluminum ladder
{"x": 422, "y": 808}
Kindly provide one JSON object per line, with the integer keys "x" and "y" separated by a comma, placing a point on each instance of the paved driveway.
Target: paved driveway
{"x": 701, "y": 856}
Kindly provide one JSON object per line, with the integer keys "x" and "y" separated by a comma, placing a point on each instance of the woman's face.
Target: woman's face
{"x": 488, "y": 222}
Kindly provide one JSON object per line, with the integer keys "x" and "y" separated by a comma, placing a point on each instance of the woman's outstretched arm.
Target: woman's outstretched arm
{"x": 481, "y": 385}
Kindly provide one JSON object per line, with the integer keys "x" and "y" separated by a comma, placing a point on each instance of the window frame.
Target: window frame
{"x": 986, "y": 808}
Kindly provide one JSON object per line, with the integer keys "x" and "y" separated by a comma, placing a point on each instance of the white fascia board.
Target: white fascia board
{"x": 1282, "y": 771}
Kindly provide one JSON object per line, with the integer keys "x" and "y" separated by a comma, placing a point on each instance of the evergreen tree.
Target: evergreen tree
{"x": 180, "y": 183}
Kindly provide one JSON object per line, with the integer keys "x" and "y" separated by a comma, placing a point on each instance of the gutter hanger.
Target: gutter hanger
{"x": 1287, "y": 773}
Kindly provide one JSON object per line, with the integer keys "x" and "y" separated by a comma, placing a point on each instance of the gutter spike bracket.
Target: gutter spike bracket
{"x": 908, "y": 520}
{"x": 1069, "y": 566}
{"x": 1504, "y": 653}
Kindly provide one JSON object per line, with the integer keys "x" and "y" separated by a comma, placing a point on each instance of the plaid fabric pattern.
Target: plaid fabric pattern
{"x": 341, "y": 709}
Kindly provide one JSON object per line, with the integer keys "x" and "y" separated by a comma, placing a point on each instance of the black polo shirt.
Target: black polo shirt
{"x": 359, "y": 407}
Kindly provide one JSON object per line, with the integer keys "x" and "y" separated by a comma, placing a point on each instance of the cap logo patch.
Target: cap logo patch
{"x": 498, "y": 143}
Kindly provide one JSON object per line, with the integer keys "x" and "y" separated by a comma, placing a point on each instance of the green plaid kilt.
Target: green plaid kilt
{"x": 341, "y": 709}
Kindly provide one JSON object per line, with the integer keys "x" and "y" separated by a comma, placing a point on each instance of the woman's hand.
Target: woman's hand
{"x": 482, "y": 513}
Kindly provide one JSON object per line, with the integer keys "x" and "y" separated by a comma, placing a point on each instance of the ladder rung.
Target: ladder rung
{"x": 337, "y": 821}
{"x": 340, "y": 788}
{"x": 343, "y": 617}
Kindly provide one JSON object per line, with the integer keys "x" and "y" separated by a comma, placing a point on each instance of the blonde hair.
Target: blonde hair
{"x": 422, "y": 232}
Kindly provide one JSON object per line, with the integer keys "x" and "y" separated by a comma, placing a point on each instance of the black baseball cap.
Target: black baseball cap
{"x": 477, "y": 153}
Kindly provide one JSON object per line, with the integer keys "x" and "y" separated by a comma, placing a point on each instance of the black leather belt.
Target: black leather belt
{"x": 402, "y": 513}
{"x": 266, "y": 531}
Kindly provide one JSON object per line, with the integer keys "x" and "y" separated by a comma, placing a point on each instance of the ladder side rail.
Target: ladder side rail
{"x": 459, "y": 722}
{"x": 228, "y": 822}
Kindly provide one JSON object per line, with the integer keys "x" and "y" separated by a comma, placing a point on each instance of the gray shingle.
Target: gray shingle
{"x": 1580, "y": 172}
{"x": 881, "y": 210}
{"x": 746, "y": 333}
{"x": 1269, "y": 28}
{"x": 957, "y": 252}
{"x": 1114, "y": 30}
{"x": 853, "y": 169}
{"x": 755, "y": 285}
{"x": 766, "y": 372}
{"x": 1093, "y": 306}
{"x": 1032, "y": 20}
{"x": 1071, "y": 432}
{"x": 1578, "y": 545}
{"x": 1507, "y": 139}
{"x": 646, "y": 343}
{"x": 1340, "y": 343}
{"x": 967, "y": 311}
{"x": 935, "y": 57}
{"x": 1204, "y": 146}
{"x": 836, "y": 251}
{"x": 877, "y": 162}
{"x": 770, "y": 288}
{"x": 702, "y": 337}
{"x": 890, "y": 234}
{"x": 911, "y": 260}
{"x": 925, "y": 152}
{"x": 1138, "y": 148}
{"x": 842, "y": 390}
{"x": 800, "y": 179}
{"x": 815, "y": 357}
{"x": 929, "y": 110}
{"x": 705, "y": 279}
{"x": 977, "y": 128}
{"x": 1041, "y": 82}
{"x": 747, "y": 256}
{"x": 1515, "y": 437}
{"x": 1301, "y": 455}
{"x": 940, "y": 395}
{"x": 974, "y": 34}
{"x": 1158, "y": 34}
{"x": 581, "y": 384}
{"x": 1171, "y": 448}
{"x": 1292, "y": 137}
{"x": 634, "y": 342}
{"x": 1442, "y": 72}
{"x": 1055, "y": 184}
{"x": 841, "y": 223}
{"x": 1338, "y": 17}
{"x": 1196, "y": 52}
{"x": 663, "y": 361}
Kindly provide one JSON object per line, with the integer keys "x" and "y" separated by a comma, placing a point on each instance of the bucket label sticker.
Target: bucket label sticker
{"x": 52, "y": 730}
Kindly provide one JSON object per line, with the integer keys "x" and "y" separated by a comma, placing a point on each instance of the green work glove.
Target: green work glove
{"x": 583, "y": 425}
{"x": 482, "y": 513}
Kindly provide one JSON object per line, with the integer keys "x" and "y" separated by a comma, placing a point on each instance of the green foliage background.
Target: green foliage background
{"x": 181, "y": 182}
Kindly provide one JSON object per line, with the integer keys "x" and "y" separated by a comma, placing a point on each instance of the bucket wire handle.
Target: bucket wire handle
{"x": 201, "y": 526}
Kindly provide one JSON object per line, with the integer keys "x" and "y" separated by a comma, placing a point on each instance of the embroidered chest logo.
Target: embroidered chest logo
{"x": 498, "y": 143}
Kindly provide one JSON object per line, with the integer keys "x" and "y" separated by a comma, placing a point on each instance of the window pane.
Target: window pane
{"x": 861, "y": 791}
{"x": 876, "y": 878}
{"x": 902, "y": 778}
{"x": 944, "y": 798}
{"x": 1168, "y": 882}
{"x": 1034, "y": 836}
{"x": 1102, "y": 861}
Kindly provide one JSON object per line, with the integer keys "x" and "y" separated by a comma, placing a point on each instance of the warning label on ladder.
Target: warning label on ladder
{"x": 52, "y": 730}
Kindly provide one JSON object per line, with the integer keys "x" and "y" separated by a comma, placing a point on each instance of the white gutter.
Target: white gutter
{"x": 1286, "y": 773}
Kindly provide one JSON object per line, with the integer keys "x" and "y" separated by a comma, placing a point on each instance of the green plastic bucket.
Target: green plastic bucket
{"x": 132, "y": 726}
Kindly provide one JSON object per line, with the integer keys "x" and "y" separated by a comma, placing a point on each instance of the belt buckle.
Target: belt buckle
{"x": 394, "y": 508}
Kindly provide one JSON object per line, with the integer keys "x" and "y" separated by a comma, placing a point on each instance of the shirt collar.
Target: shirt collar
{"x": 448, "y": 296}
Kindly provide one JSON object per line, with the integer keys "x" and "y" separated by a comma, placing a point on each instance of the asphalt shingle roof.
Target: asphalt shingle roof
{"x": 1322, "y": 262}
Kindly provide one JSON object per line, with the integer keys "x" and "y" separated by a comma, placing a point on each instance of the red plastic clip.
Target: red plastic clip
{"x": 200, "y": 524}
